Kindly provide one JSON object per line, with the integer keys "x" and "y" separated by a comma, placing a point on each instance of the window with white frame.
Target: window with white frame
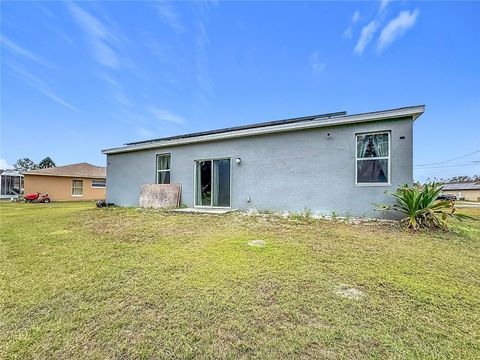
{"x": 98, "y": 183}
{"x": 163, "y": 169}
{"x": 373, "y": 158}
{"x": 77, "y": 187}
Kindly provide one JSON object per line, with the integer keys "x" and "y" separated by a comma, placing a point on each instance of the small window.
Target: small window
{"x": 77, "y": 187}
{"x": 163, "y": 169}
{"x": 98, "y": 183}
{"x": 373, "y": 158}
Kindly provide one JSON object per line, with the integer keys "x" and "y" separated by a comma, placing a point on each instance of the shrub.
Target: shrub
{"x": 421, "y": 208}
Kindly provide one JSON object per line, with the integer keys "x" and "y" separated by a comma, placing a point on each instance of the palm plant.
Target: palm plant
{"x": 421, "y": 207}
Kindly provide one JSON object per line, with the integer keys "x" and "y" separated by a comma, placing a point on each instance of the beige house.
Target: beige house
{"x": 463, "y": 191}
{"x": 76, "y": 182}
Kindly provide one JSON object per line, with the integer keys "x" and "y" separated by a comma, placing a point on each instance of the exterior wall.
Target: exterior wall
{"x": 470, "y": 195}
{"x": 290, "y": 171}
{"x": 60, "y": 188}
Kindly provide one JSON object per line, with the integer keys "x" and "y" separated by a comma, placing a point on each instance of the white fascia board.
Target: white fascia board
{"x": 414, "y": 112}
{"x": 77, "y": 176}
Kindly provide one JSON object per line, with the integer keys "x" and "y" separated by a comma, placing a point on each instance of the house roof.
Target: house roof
{"x": 462, "y": 186}
{"x": 81, "y": 170}
{"x": 244, "y": 127}
{"x": 307, "y": 122}
{"x": 10, "y": 173}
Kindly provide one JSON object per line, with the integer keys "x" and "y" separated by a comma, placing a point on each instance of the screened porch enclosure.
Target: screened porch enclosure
{"x": 11, "y": 184}
{"x": 212, "y": 183}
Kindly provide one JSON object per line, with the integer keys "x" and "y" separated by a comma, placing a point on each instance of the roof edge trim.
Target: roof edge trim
{"x": 66, "y": 175}
{"x": 413, "y": 111}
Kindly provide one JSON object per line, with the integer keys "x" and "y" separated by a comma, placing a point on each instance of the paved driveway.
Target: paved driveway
{"x": 467, "y": 205}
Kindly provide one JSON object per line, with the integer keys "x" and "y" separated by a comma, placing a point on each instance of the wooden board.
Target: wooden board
{"x": 160, "y": 195}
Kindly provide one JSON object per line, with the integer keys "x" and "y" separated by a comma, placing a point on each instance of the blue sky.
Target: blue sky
{"x": 78, "y": 77}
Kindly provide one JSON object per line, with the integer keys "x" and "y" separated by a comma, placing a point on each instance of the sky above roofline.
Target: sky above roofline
{"x": 78, "y": 77}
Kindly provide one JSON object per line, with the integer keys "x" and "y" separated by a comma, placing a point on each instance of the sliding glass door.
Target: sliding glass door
{"x": 203, "y": 183}
{"x": 212, "y": 183}
{"x": 221, "y": 183}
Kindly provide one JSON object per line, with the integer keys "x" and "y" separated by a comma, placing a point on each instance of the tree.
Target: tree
{"x": 46, "y": 163}
{"x": 24, "y": 164}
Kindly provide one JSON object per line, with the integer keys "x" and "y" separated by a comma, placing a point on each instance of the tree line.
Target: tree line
{"x": 26, "y": 164}
{"x": 455, "y": 179}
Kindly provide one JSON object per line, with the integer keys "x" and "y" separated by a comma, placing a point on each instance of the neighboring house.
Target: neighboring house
{"x": 11, "y": 184}
{"x": 463, "y": 191}
{"x": 325, "y": 163}
{"x": 74, "y": 182}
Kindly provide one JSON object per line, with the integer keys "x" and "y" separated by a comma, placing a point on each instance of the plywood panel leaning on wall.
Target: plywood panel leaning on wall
{"x": 159, "y": 196}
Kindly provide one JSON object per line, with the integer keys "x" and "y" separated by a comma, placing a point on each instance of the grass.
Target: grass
{"x": 78, "y": 282}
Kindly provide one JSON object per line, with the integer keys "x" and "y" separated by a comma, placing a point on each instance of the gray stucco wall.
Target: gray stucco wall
{"x": 284, "y": 171}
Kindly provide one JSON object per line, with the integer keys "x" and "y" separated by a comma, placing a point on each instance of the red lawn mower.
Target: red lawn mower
{"x": 37, "y": 197}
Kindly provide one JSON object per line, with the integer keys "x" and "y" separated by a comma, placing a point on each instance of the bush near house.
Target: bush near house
{"x": 421, "y": 208}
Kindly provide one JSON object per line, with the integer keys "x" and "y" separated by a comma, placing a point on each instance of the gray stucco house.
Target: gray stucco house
{"x": 325, "y": 163}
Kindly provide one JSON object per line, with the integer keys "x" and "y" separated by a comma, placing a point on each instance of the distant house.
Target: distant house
{"x": 74, "y": 182}
{"x": 325, "y": 163}
{"x": 463, "y": 191}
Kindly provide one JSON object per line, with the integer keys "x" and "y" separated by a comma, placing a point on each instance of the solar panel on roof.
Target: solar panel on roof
{"x": 245, "y": 127}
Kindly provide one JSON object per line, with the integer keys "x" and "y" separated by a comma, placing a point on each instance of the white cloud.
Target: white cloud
{"x": 317, "y": 64}
{"x": 355, "y": 18}
{"x": 204, "y": 80}
{"x": 32, "y": 80}
{"x": 118, "y": 91}
{"x": 56, "y": 98}
{"x": 383, "y": 5}
{"x": 396, "y": 28}
{"x": 366, "y": 36}
{"x": 40, "y": 85}
{"x": 169, "y": 17}
{"x": 348, "y": 33}
{"x": 369, "y": 30}
{"x": 318, "y": 67}
{"x": 100, "y": 37}
{"x": 4, "y": 165}
{"x": 166, "y": 115}
{"x": 144, "y": 132}
{"x": 19, "y": 51}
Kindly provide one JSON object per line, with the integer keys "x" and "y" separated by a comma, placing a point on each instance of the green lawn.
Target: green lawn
{"x": 78, "y": 282}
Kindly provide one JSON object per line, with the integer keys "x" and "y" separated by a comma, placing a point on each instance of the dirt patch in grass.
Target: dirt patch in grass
{"x": 349, "y": 292}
